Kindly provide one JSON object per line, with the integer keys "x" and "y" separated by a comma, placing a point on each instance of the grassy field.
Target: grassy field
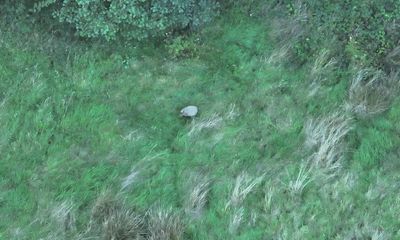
{"x": 92, "y": 145}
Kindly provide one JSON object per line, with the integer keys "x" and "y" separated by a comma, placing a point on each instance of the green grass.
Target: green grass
{"x": 76, "y": 124}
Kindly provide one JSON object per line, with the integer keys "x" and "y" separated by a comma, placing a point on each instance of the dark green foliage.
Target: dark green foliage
{"x": 369, "y": 27}
{"x": 181, "y": 47}
{"x": 132, "y": 19}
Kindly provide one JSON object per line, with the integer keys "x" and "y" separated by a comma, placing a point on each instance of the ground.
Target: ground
{"x": 276, "y": 152}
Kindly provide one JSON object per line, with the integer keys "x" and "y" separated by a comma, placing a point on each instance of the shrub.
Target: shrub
{"x": 370, "y": 26}
{"x": 181, "y": 47}
{"x": 132, "y": 19}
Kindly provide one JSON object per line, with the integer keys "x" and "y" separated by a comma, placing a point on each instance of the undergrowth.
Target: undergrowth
{"x": 92, "y": 145}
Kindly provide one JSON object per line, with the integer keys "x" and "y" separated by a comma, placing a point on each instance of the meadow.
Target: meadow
{"x": 93, "y": 147}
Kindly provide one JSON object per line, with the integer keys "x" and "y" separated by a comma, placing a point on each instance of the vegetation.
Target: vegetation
{"x": 366, "y": 30}
{"x": 296, "y": 137}
{"x": 133, "y": 19}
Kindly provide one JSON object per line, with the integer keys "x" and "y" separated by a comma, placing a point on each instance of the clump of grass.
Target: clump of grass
{"x": 269, "y": 193}
{"x": 379, "y": 235}
{"x": 244, "y": 184}
{"x": 326, "y": 137}
{"x": 322, "y": 68}
{"x": 211, "y": 122}
{"x": 393, "y": 58}
{"x": 297, "y": 185}
{"x": 64, "y": 216}
{"x": 104, "y": 207}
{"x": 322, "y": 65}
{"x": 371, "y": 92}
{"x": 278, "y": 55}
{"x": 198, "y": 196}
{"x": 57, "y": 221}
{"x": 164, "y": 224}
{"x": 375, "y": 144}
{"x": 338, "y": 187}
{"x": 232, "y": 112}
{"x": 138, "y": 170}
{"x": 236, "y": 220}
{"x": 123, "y": 224}
{"x": 287, "y": 31}
{"x": 112, "y": 220}
{"x": 367, "y": 231}
{"x": 130, "y": 179}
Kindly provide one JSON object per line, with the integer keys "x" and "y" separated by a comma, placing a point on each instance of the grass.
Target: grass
{"x": 92, "y": 144}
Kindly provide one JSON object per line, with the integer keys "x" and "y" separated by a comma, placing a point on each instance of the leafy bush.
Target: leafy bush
{"x": 132, "y": 19}
{"x": 181, "y": 47}
{"x": 368, "y": 26}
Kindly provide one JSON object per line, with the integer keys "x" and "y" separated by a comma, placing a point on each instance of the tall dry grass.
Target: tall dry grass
{"x": 325, "y": 136}
{"x": 371, "y": 92}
